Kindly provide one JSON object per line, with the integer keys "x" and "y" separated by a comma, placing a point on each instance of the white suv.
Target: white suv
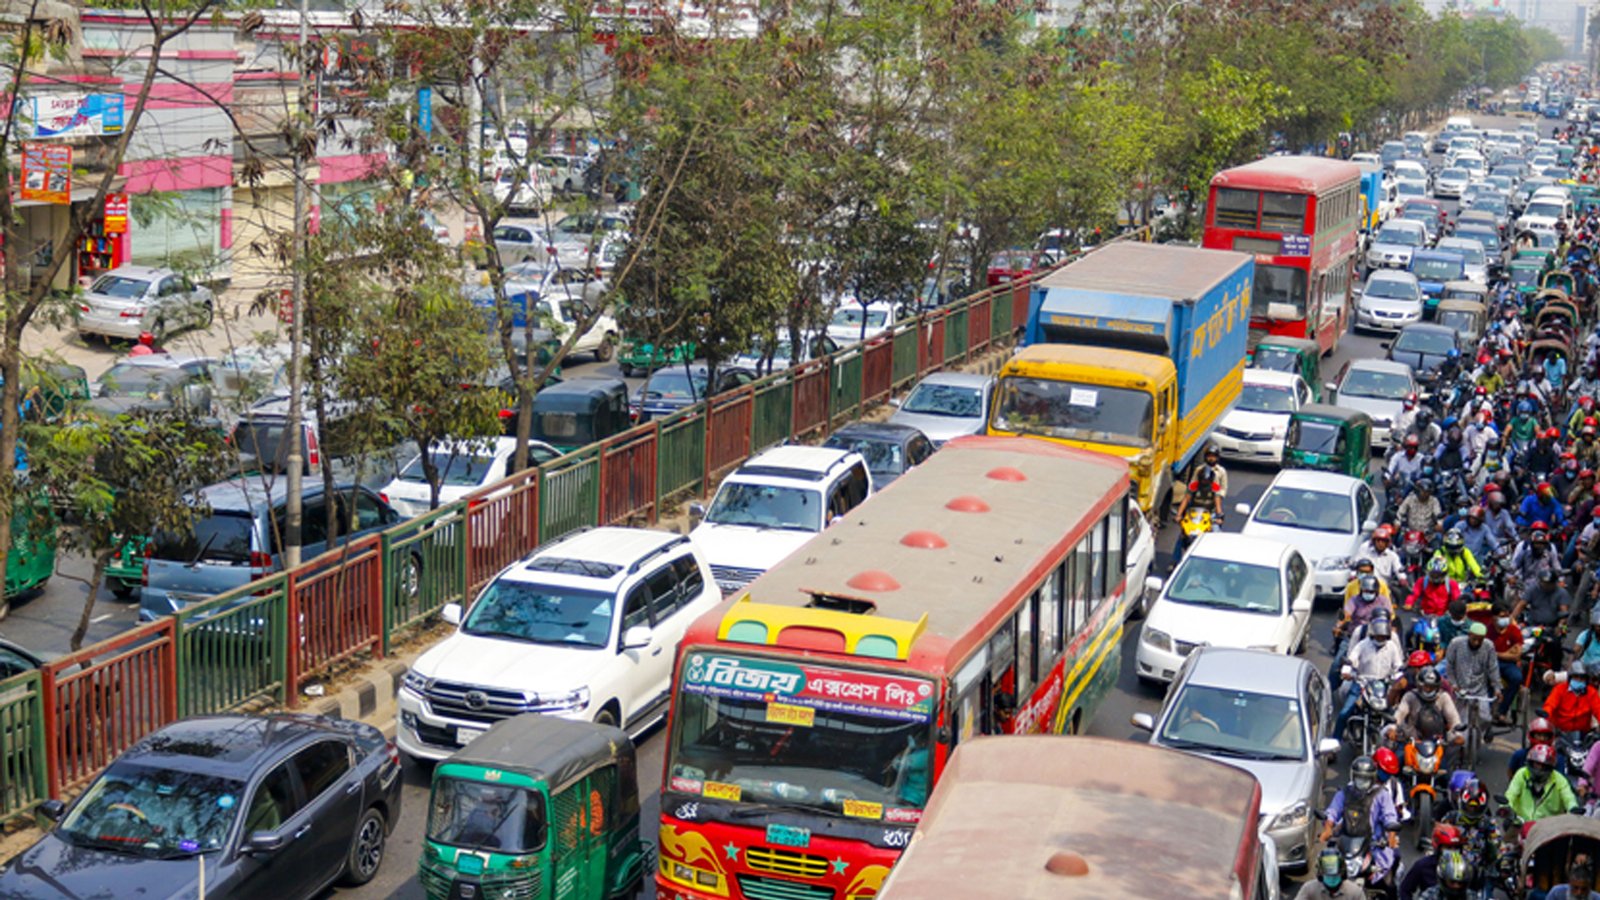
{"x": 584, "y": 628}
{"x": 772, "y": 505}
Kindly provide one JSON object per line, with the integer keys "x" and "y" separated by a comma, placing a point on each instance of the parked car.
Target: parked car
{"x": 853, "y": 322}
{"x": 1376, "y": 387}
{"x": 1425, "y": 347}
{"x": 667, "y": 390}
{"x": 522, "y": 240}
{"x": 586, "y": 627}
{"x": 1229, "y": 590}
{"x": 559, "y": 299}
{"x": 1009, "y": 265}
{"x": 159, "y": 382}
{"x": 766, "y": 357}
{"x": 272, "y": 806}
{"x": 131, "y": 300}
{"x": 1323, "y": 515}
{"x": 579, "y": 238}
{"x": 1268, "y": 714}
{"x": 890, "y": 450}
{"x": 563, "y": 172}
{"x": 576, "y": 413}
{"x": 464, "y": 466}
{"x": 772, "y": 505}
{"x": 1253, "y": 430}
{"x": 521, "y": 189}
{"x": 1389, "y": 300}
{"x": 238, "y": 539}
{"x": 946, "y": 405}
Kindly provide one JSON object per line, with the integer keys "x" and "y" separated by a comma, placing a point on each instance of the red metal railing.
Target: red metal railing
{"x": 628, "y": 474}
{"x": 335, "y": 609}
{"x": 502, "y": 526}
{"x": 728, "y": 431}
{"x": 877, "y": 370}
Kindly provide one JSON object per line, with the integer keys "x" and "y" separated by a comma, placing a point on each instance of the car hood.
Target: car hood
{"x": 1385, "y": 247}
{"x": 1283, "y": 783}
{"x": 55, "y": 867}
{"x": 1255, "y": 422}
{"x": 1315, "y": 546}
{"x": 1387, "y": 304}
{"x": 511, "y": 665}
{"x": 938, "y": 428}
{"x": 1418, "y": 362}
{"x": 746, "y": 546}
{"x": 1208, "y": 627}
{"x": 1372, "y": 406}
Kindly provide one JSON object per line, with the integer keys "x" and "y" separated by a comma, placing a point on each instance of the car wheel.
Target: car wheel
{"x": 208, "y": 314}
{"x": 366, "y": 849}
{"x": 566, "y": 186}
{"x": 628, "y": 371}
{"x": 607, "y": 348}
{"x": 158, "y": 330}
{"x": 408, "y": 582}
{"x": 607, "y": 716}
{"x": 120, "y": 589}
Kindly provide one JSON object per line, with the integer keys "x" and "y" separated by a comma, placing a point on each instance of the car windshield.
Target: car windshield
{"x": 1275, "y": 359}
{"x": 1437, "y": 269}
{"x": 486, "y": 816}
{"x": 1237, "y": 724}
{"x": 885, "y": 458}
{"x": 1406, "y": 188}
{"x": 766, "y": 506}
{"x": 1201, "y": 581}
{"x": 675, "y": 384}
{"x": 956, "y": 401}
{"x": 1425, "y": 340}
{"x": 458, "y": 468}
{"x": 1472, "y": 250}
{"x": 127, "y": 380}
{"x": 1392, "y": 289}
{"x": 222, "y": 537}
{"x": 1523, "y": 275}
{"x": 1408, "y": 237}
{"x": 843, "y": 742}
{"x": 851, "y": 316}
{"x": 1462, "y": 321}
{"x": 1453, "y": 174}
{"x": 1543, "y": 209}
{"x": 120, "y": 286}
{"x": 1065, "y": 409}
{"x": 523, "y": 611}
{"x": 154, "y": 811}
{"x": 1494, "y": 203}
{"x": 1488, "y": 240}
{"x": 1269, "y": 398}
{"x": 1311, "y": 436}
{"x": 1376, "y": 384}
{"x": 1308, "y": 510}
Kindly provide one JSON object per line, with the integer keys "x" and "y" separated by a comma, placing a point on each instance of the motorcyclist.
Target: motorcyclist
{"x": 1545, "y": 455}
{"x": 1454, "y": 875}
{"x": 1538, "y": 790}
{"x": 1424, "y": 873}
{"x": 1586, "y": 647}
{"x": 1204, "y": 493}
{"x": 1364, "y": 567}
{"x": 1459, "y": 561}
{"x": 1477, "y": 536}
{"x": 1376, "y": 655}
{"x": 1545, "y": 602}
{"x": 1435, "y": 592}
{"x": 1541, "y": 506}
{"x": 1330, "y": 883}
{"x": 1507, "y": 640}
{"x": 1540, "y": 731}
{"x": 1572, "y": 707}
{"x": 1361, "y": 809}
{"x": 1402, "y": 467}
{"x": 1386, "y": 561}
{"x": 1388, "y": 771}
{"x": 1360, "y": 608}
{"x": 1454, "y": 622}
{"x": 1420, "y": 510}
{"x": 1427, "y": 711}
{"x": 1534, "y": 554}
{"x": 1566, "y": 477}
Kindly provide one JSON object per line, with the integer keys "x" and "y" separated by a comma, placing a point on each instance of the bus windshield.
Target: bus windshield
{"x": 842, "y": 742}
{"x": 1074, "y": 411}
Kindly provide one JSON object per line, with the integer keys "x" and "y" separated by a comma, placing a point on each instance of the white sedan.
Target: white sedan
{"x": 1323, "y": 515}
{"x": 1230, "y": 590}
{"x": 1253, "y": 430}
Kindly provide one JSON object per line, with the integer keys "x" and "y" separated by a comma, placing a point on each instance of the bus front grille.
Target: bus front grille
{"x": 757, "y": 888}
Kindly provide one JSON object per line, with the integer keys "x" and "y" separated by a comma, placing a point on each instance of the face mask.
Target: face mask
{"x": 1332, "y": 882}
{"x": 1502, "y": 623}
{"x": 1577, "y": 685}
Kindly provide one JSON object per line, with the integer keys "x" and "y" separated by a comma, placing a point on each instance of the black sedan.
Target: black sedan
{"x": 890, "y": 450}
{"x": 677, "y": 387}
{"x": 1426, "y": 348}
{"x": 273, "y": 806}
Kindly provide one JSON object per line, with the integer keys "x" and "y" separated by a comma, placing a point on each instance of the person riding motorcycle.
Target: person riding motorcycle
{"x": 1330, "y": 883}
{"x": 1572, "y": 707}
{"x": 1540, "y": 731}
{"x": 1545, "y": 602}
{"x": 1426, "y": 711}
{"x": 1459, "y": 561}
{"x": 1386, "y": 561}
{"x": 1476, "y": 536}
{"x": 1374, "y": 656}
{"x": 1498, "y": 518}
{"x": 1406, "y": 465}
{"x": 1420, "y": 510}
{"x": 1541, "y": 506}
{"x": 1545, "y": 455}
{"x": 1435, "y": 592}
{"x": 1204, "y": 493}
{"x": 1424, "y": 873}
{"x": 1388, "y": 771}
{"x": 1361, "y": 809}
{"x": 1368, "y": 602}
{"x": 1538, "y": 791}
{"x": 1455, "y": 875}
{"x": 1534, "y": 554}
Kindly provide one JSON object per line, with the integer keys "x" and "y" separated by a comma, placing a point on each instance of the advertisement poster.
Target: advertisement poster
{"x": 70, "y": 115}
{"x": 116, "y": 213}
{"x": 47, "y": 173}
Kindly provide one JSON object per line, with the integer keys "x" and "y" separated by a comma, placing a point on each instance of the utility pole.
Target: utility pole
{"x": 297, "y": 327}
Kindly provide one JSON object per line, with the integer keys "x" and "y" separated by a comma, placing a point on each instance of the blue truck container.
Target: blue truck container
{"x": 1189, "y": 305}
{"x": 1371, "y": 194}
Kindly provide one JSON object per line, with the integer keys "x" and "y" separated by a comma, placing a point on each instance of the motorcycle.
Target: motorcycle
{"x": 1423, "y": 767}
{"x": 1414, "y": 554}
{"x": 1371, "y": 715}
{"x": 1195, "y": 522}
{"x": 1356, "y": 852}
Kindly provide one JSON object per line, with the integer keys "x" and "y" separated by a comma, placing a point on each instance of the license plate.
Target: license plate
{"x": 788, "y": 836}
{"x": 463, "y": 735}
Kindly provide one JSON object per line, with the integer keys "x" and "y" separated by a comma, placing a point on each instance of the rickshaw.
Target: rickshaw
{"x": 1560, "y": 280}
{"x": 1523, "y": 275}
{"x": 1287, "y": 354}
{"x": 1538, "y": 350}
{"x": 536, "y": 807}
{"x": 1545, "y": 257}
{"x": 1330, "y": 439}
{"x": 577, "y": 413}
{"x": 1552, "y": 845}
{"x": 1467, "y": 316}
{"x": 1556, "y": 317}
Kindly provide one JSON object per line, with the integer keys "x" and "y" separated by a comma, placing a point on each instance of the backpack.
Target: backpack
{"x": 1357, "y": 819}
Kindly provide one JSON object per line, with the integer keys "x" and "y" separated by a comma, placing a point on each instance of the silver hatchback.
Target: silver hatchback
{"x": 130, "y": 300}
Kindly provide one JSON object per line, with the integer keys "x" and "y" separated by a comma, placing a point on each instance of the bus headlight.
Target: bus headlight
{"x": 694, "y": 877}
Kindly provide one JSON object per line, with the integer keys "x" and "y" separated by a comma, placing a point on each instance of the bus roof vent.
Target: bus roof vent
{"x": 852, "y": 605}
{"x": 875, "y": 580}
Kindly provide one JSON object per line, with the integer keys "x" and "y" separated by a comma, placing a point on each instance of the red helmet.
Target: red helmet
{"x": 1411, "y": 442}
{"x": 1542, "y": 754}
{"x": 1419, "y": 658}
{"x": 1383, "y": 533}
{"x": 1541, "y": 732}
{"x": 1446, "y": 837}
{"x": 1552, "y": 433}
{"x": 1586, "y": 402}
{"x": 1540, "y": 524}
{"x": 1386, "y": 760}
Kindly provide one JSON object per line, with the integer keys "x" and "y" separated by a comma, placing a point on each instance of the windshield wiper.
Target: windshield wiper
{"x": 751, "y": 810}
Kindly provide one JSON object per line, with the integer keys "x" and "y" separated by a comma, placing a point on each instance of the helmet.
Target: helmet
{"x": 1364, "y": 564}
{"x": 1419, "y": 659}
{"x": 1386, "y": 760}
{"x": 1541, "y": 759}
{"x": 1477, "y": 513}
{"x": 1540, "y": 731}
{"x": 1425, "y": 485}
{"x": 1411, "y": 442}
{"x": 1368, "y": 585}
{"x": 1446, "y": 837}
{"x": 1455, "y": 873}
{"x": 1428, "y": 684}
{"x": 1379, "y": 628}
{"x": 1383, "y": 533}
{"x": 1364, "y": 774}
{"x": 1454, "y": 540}
{"x": 1495, "y": 498}
{"x": 1211, "y": 450}
{"x": 1552, "y": 433}
{"x": 1437, "y": 566}
{"x": 1473, "y": 800}
{"x": 1545, "y": 488}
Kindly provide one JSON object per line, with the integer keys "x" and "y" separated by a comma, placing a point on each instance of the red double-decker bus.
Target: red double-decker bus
{"x": 1301, "y": 218}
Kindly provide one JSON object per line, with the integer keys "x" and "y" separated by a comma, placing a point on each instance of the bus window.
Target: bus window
{"x": 1114, "y": 534}
{"x": 1082, "y": 599}
{"x": 1283, "y": 212}
{"x": 1027, "y": 676}
{"x": 1235, "y": 208}
{"x": 1097, "y": 557}
{"x": 1001, "y": 682}
{"x": 1050, "y": 620}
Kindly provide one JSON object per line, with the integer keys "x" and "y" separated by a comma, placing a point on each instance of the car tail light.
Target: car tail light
{"x": 260, "y": 560}
{"x": 384, "y": 497}
{"x": 507, "y": 413}
{"x": 474, "y": 503}
{"x": 313, "y": 458}
{"x": 392, "y": 751}
{"x": 144, "y": 571}
{"x": 83, "y": 307}
{"x": 136, "y": 312}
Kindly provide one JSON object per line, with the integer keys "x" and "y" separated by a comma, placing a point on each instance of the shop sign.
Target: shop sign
{"x": 70, "y": 115}
{"x": 47, "y": 173}
{"x": 116, "y": 213}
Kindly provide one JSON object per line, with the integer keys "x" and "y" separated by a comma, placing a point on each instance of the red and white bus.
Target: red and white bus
{"x": 813, "y": 711}
{"x": 1301, "y": 218}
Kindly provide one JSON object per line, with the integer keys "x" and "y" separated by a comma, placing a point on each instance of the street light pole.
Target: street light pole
{"x": 295, "y": 430}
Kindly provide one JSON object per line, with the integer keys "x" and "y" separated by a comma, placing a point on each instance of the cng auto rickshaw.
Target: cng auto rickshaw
{"x": 1467, "y": 316}
{"x": 577, "y": 413}
{"x": 1286, "y": 354}
{"x": 536, "y": 807}
{"x": 1552, "y": 845}
{"x": 1330, "y": 439}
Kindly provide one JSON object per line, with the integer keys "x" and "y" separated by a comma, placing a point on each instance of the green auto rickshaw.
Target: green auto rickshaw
{"x": 536, "y": 807}
{"x": 1286, "y": 354}
{"x": 1330, "y": 439}
{"x": 577, "y": 413}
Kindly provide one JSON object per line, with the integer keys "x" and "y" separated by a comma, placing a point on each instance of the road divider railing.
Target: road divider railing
{"x": 261, "y": 645}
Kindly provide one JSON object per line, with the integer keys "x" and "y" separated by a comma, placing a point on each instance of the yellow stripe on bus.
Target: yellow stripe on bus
{"x": 1096, "y": 647}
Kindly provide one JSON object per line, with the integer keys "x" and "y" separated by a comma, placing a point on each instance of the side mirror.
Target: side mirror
{"x": 894, "y": 402}
{"x": 1153, "y": 584}
{"x": 1242, "y": 509}
{"x": 1328, "y": 747}
{"x": 1143, "y": 721}
{"x": 637, "y": 638}
{"x": 451, "y": 613}
{"x": 1302, "y": 605}
{"x": 263, "y": 843}
{"x": 1330, "y": 387}
{"x": 52, "y": 810}
{"x": 1386, "y": 345}
{"x": 697, "y": 513}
